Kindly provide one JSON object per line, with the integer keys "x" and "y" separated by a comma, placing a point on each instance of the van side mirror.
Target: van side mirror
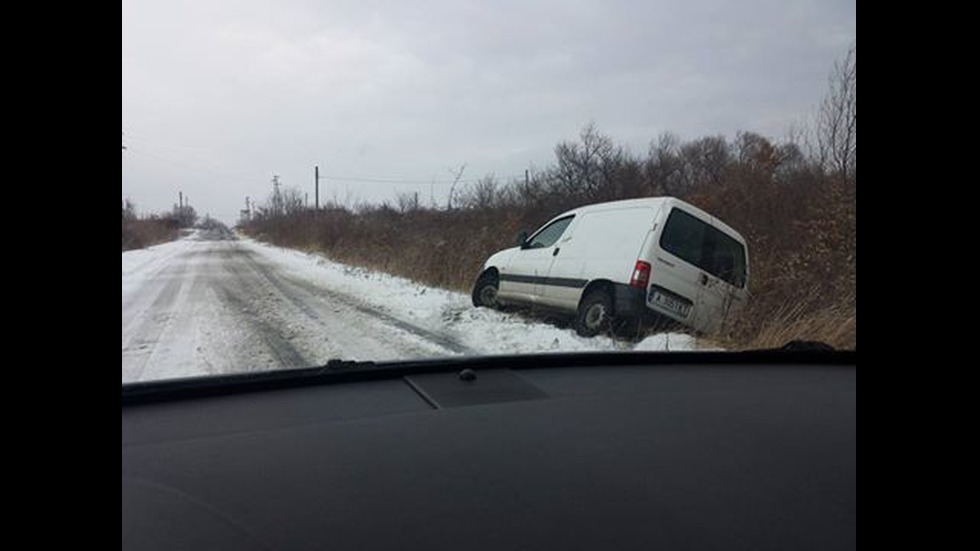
{"x": 521, "y": 239}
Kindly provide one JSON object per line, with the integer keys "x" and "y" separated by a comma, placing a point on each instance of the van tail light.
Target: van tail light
{"x": 641, "y": 275}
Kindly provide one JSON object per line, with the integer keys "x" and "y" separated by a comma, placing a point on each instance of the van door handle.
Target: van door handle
{"x": 556, "y": 251}
{"x": 703, "y": 279}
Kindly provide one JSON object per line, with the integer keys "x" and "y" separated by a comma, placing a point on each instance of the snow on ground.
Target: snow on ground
{"x": 481, "y": 330}
{"x": 211, "y": 303}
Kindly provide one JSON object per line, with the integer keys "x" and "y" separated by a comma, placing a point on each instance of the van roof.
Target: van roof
{"x": 656, "y": 203}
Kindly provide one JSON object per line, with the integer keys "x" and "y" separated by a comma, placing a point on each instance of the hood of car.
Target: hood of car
{"x": 501, "y": 258}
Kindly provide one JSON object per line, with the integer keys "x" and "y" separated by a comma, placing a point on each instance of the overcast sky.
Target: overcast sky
{"x": 218, "y": 96}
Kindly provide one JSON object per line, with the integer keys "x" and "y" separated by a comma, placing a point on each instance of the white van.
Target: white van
{"x": 653, "y": 257}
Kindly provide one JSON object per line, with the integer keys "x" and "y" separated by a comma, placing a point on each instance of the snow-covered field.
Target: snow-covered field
{"x": 211, "y": 303}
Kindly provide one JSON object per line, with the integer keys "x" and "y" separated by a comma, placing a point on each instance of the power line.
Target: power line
{"x": 172, "y": 159}
{"x": 405, "y": 181}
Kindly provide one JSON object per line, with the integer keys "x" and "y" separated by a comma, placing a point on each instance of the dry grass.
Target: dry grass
{"x": 772, "y": 327}
{"x": 138, "y": 234}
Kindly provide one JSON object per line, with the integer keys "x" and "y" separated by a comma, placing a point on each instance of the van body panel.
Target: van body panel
{"x": 520, "y": 280}
{"x": 602, "y": 237}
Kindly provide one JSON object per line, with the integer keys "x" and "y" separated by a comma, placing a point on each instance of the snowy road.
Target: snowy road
{"x": 211, "y": 303}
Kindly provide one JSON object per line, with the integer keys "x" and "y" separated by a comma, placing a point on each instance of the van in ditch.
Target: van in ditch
{"x": 654, "y": 258}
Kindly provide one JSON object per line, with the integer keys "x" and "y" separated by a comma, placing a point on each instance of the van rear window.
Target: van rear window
{"x": 704, "y": 246}
{"x": 683, "y": 237}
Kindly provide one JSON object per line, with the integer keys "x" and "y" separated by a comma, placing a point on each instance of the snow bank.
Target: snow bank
{"x": 481, "y": 330}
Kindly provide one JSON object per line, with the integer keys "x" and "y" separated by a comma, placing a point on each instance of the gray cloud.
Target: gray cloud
{"x": 220, "y": 95}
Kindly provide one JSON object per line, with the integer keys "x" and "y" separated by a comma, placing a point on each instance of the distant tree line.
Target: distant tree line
{"x": 139, "y": 231}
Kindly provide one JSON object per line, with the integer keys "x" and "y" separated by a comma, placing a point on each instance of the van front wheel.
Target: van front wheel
{"x": 485, "y": 290}
{"x": 594, "y": 314}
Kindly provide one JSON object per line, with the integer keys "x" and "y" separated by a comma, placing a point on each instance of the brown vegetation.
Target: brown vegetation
{"x": 144, "y": 231}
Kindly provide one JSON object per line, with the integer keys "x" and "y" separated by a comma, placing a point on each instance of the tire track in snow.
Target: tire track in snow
{"x": 281, "y": 349}
{"x": 288, "y": 287}
{"x": 240, "y": 288}
{"x": 328, "y": 328}
{"x": 144, "y": 338}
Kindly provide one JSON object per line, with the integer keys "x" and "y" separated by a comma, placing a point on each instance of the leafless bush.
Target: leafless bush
{"x": 837, "y": 119}
{"x": 139, "y": 232}
{"x": 484, "y": 194}
{"x": 408, "y": 202}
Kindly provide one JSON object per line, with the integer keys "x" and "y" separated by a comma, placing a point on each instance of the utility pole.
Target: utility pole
{"x": 316, "y": 180}
{"x": 180, "y": 199}
{"x": 276, "y": 199}
{"x": 527, "y": 186}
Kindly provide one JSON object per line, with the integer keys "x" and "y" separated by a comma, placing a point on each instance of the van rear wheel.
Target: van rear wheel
{"x": 594, "y": 314}
{"x": 485, "y": 290}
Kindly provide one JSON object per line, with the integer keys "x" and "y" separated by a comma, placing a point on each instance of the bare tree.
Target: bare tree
{"x": 408, "y": 202}
{"x": 589, "y": 168}
{"x": 290, "y": 201}
{"x": 837, "y": 119}
{"x": 757, "y": 153}
{"x": 663, "y": 169}
{"x": 452, "y": 189}
{"x": 704, "y": 161}
{"x": 128, "y": 210}
{"x": 484, "y": 194}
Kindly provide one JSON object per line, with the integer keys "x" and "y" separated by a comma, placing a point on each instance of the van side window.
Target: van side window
{"x": 549, "y": 234}
{"x": 704, "y": 246}
{"x": 684, "y": 237}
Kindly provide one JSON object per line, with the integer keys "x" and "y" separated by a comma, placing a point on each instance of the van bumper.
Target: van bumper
{"x": 629, "y": 301}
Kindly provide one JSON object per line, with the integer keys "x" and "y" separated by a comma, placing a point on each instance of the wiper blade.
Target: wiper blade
{"x": 345, "y": 371}
{"x": 345, "y": 365}
{"x": 807, "y": 346}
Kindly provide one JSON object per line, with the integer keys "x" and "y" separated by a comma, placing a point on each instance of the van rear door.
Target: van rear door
{"x": 702, "y": 264}
{"x": 723, "y": 278}
{"x": 674, "y": 273}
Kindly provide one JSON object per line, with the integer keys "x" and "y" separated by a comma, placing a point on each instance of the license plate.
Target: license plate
{"x": 669, "y": 304}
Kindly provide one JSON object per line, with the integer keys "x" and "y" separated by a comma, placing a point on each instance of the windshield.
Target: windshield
{"x": 314, "y": 181}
